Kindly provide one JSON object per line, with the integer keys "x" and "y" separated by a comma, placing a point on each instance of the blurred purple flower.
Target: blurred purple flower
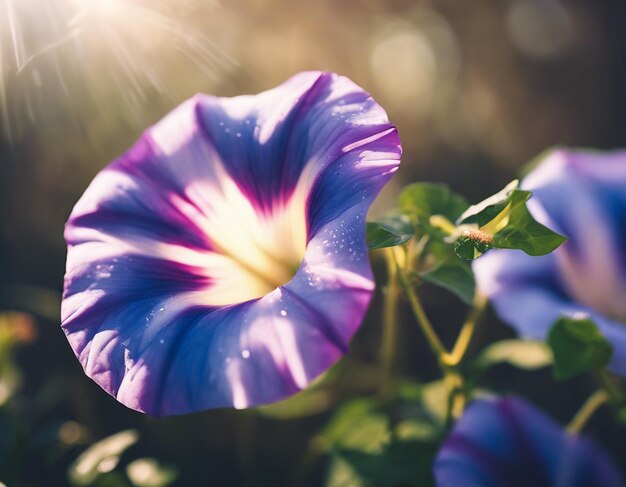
{"x": 508, "y": 443}
{"x": 582, "y": 195}
{"x": 222, "y": 261}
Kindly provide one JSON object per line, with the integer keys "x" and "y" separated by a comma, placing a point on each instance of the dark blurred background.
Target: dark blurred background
{"x": 476, "y": 88}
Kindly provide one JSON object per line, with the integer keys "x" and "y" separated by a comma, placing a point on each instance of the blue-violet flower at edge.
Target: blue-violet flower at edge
{"x": 506, "y": 442}
{"x": 582, "y": 195}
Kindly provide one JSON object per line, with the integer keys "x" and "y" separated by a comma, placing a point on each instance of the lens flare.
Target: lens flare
{"x": 56, "y": 55}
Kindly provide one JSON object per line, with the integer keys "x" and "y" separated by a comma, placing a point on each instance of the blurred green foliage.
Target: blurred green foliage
{"x": 578, "y": 347}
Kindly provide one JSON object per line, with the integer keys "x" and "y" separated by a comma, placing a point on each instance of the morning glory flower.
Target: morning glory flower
{"x": 222, "y": 261}
{"x": 506, "y": 442}
{"x": 582, "y": 195}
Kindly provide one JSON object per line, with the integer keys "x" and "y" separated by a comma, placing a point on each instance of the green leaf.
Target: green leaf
{"x": 488, "y": 209}
{"x": 389, "y": 232}
{"x": 469, "y": 247}
{"x": 524, "y": 232}
{"x": 10, "y": 381}
{"x": 424, "y": 408}
{"x": 423, "y": 200}
{"x": 315, "y": 399}
{"x": 523, "y": 354}
{"x": 406, "y": 463}
{"x": 347, "y": 376}
{"x": 308, "y": 402}
{"x": 359, "y": 425}
{"x": 503, "y": 221}
{"x": 578, "y": 346}
{"x": 453, "y": 275}
{"x": 435, "y": 399}
{"x": 431, "y": 399}
{"x": 418, "y": 429}
{"x": 441, "y": 267}
{"x": 358, "y": 439}
{"x": 101, "y": 457}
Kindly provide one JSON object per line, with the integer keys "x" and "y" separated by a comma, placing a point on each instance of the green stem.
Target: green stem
{"x": 457, "y": 397}
{"x": 586, "y": 411}
{"x": 390, "y": 325}
{"x": 608, "y": 384}
{"x": 467, "y": 331}
{"x": 448, "y": 361}
{"x": 442, "y": 223}
{"x": 416, "y": 251}
{"x": 420, "y": 315}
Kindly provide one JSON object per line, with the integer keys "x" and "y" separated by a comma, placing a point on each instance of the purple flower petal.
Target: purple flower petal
{"x": 508, "y": 443}
{"x": 222, "y": 261}
{"x": 582, "y": 195}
